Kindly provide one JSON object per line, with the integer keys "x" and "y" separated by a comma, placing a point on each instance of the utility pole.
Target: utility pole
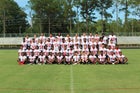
{"x": 78, "y": 18}
{"x": 20, "y": 27}
{"x": 70, "y": 24}
{"x": 40, "y": 25}
{"x": 132, "y": 26}
{"x": 86, "y": 16}
{"x": 70, "y": 20}
{"x": 103, "y": 21}
{"x": 126, "y": 14}
{"x": 4, "y": 25}
{"x": 40, "y": 21}
{"x": 117, "y": 11}
{"x": 31, "y": 21}
{"x": 49, "y": 25}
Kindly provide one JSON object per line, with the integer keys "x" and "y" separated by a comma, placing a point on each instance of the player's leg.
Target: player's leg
{"x": 125, "y": 60}
{"x": 116, "y": 61}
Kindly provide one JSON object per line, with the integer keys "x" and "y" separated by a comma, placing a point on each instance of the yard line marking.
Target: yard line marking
{"x": 71, "y": 80}
{"x": 50, "y": 89}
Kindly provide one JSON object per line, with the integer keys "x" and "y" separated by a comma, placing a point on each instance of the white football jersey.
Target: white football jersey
{"x": 84, "y": 57}
{"x": 24, "y": 44}
{"x": 51, "y": 57}
{"x": 59, "y": 57}
{"x": 42, "y": 58}
{"x": 32, "y": 58}
{"x": 112, "y": 57}
{"x": 92, "y": 57}
{"x": 28, "y": 52}
{"x": 36, "y": 52}
{"x": 68, "y": 58}
{"x": 112, "y": 38}
{"x": 41, "y": 46}
{"x": 20, "y": 51}
{"x": 76, "y": 58}
{"x": 121, "y": 56}
{"x": 22, "y": 58}
{"x": 117, "y": 51}
{"x": 102, "y": 57}
{"x": 33, "y": 45}
{"x": 46, "y": 52}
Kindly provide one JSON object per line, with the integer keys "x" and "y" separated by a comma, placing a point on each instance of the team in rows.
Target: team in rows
{"x": 84, "y": 49}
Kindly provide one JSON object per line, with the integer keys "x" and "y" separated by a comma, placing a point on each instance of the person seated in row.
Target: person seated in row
{"x": 83, "y": 58}
{"x": 68, "y": 59}
{"x": 76, "y": 58}
{"x": 92, "y": 58}
{"x": 59, "y": 58}
{"x": 22, "y": 59}
{"x": 112, "y": 58}
{"x": 102, "y": 58}
{"x": 122, "y": 59}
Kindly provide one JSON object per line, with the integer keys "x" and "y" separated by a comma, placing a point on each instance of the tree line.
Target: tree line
{"x": 70, "y": 16}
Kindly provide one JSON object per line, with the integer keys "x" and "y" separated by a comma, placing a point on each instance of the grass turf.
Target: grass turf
{"x": 69, "y": 78}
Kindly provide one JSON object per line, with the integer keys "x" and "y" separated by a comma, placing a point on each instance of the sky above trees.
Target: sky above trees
{"x": 69, "y": 15}
{"x": 23, "y": 4}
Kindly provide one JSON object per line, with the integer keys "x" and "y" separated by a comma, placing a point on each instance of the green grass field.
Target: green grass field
{"x": 16, "y": 78}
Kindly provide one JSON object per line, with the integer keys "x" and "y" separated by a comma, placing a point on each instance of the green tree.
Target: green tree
{"x": 102, "y": 7}
{"x": 116, "y": 26}
{"x": 13, "y": 18}
{"x": 115, "y": 11}
{"x": 88, "y": 11}
{"x": 125, "y": 7}
{"x": 136, "y": 8}
{"x": 69, "y": 14}
{"x": 133, "y": 25}
{"x": 53, "y": 15}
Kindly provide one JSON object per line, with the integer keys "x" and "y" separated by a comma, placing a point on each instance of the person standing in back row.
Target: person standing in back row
{"x": 112, "y": 38}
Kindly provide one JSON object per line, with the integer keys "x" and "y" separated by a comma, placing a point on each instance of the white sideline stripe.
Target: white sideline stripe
{"x": 71, "y": 80}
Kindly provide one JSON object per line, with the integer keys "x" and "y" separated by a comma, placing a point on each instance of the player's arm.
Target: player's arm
{"x": 117, "y": 60}
{"x": 63, "y": 59}
{"x": 108, "y": 60}
{"x": 47, "y": 59}
{"x": 88, "y": 58}
{"x": 107, "y": 40}
{"x": 26, "y": 60}
{"x": 80, "y": 59}
{"x": 55, "y": 58}
{"x": 73, "y": 59}
{"x": 96, "y": 59}
{"x": 38, "y": 59}
{"x": 116, "y": 40}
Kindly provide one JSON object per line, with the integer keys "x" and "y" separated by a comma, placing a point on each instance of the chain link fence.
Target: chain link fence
{"x": 64, "y": 34}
